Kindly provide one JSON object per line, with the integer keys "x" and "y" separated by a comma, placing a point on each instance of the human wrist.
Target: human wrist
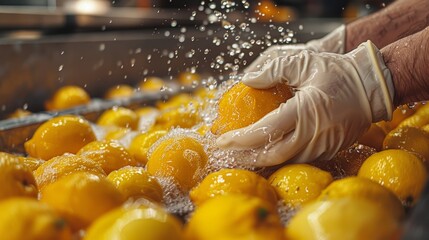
{"x": 408, "y": 61}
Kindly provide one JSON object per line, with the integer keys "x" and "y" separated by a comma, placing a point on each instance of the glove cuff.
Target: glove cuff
{"x": 378, "y": 84}
{"x": 334, "y": 42}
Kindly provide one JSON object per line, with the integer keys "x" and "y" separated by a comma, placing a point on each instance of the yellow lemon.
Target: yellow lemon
{"x": 398, "y": 170}
{"x": 180, "y": 100}
{"x": 67, "y": 97}
{"x": 151, "y": 84}
{"x": 120, "y": 117}
{"x": 415, "y": 120}
{"x": 116, "y": 133}
{"x": 346, "y": 162}
{"x": 299, "y": 183}
{"x": 59, "y": 135}
{"x": 205, "y": 93}
{"x": 188, "y": 78}
{"x": 109, "y": 154}
{"x": 16, "y": 178}
{"x": 141, "y": 143}
{"x": 82, "y": 197}
{"x": 359, "y": 187}
{"x": 233, "y": 181}
{"x": 178, "y": 117}
{"x": 58, "y": 167}
{"x": 135, "y": 182}
{"x": 135, "y": 223}
{"x": 241, "y": 106}
{"x": 119, "y": 91}
{"x": 144, "y": 111}
{"x": 24, "y": 218}
{"x": 31, "y": 163}
{"x": 203, "y": 129}
{"x": 342, "y": 219}
{"x": 19, "y": 113}
{"x": 411, "y": 139}
{"x": 399, "y": 115}
{"x": 180, "y": 158}
{"x": 234, "y": 216}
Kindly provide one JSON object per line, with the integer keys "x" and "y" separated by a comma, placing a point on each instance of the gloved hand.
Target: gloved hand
{"x": 337, "y": 98}
{"x": 333, "y": 43}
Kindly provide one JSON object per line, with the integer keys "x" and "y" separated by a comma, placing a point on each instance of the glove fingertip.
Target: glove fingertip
{"x": 254, "y": 80}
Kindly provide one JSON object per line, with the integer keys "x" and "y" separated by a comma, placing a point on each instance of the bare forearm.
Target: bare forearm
{"x": 400, "y": 19}
{"x": 408, "y": 62}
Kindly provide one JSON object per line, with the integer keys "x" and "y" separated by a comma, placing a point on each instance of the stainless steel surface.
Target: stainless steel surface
{"x": 32, "y": 69}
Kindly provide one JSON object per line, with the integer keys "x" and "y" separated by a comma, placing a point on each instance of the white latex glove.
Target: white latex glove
{"x": 337, "y": 98}
{"x": 334, "y": 42}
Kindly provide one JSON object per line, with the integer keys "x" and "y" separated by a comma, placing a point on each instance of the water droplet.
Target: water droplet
{"x": 174, "y": 23}
{"x": 102, "y": 47}
{"x": 60, "y": 68}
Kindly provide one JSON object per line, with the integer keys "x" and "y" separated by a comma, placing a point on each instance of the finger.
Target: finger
{"x": 287, "y": 69}
{"x": 272, "y": 53}
{"x": 270, "y": 128}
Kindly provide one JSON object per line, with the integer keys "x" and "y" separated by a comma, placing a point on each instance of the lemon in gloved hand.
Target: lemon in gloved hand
{"x": 337, "y": 98}
{"x": 241, "y": 106}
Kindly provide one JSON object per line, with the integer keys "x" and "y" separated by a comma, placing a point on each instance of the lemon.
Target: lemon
{"x": 141, "y": 143}
{"x": 116, "y": 133}
{"x": 342, "y": 219}
{"x": 67, "y": 97}
{"x": 151, "y": 84}
{"x": 180, "y": 100}
{"x": 178, "y": 117}
{"x": 59, "y": 135}
{"x": 180, "y": 158}
{"x": 411, "y": 139}
{"x": 145, "y": 111}
{"x": 31, "y": 163}
{"x": 119, "y": 91}
{"x": 359, "y": 187}
{"x": 58, "y": 167}
{"x": 241, "y": 106}
{"x": 16, "y": 178}
{"x": 135, "y": 182}
{"x": 415, "y": 120}
{"x": 399, "y": 114}
{"x": 205, "y": 93}
{"x": 25, "y": 218}
{"x": 109, "y": 154}
{"x": 234, "y": 216}
{"x": 233, "y": 181}
{"x": 346, "y": 162}
{"x": 81, "y": 198}
{"x": 119, "y": 117}
{"x": 134, "y": 223}
{"x": 299, "y": 183}
{"x": 188, "y": 78}
{"x": 398, "y": 170}
{"x": 19, "y": 113}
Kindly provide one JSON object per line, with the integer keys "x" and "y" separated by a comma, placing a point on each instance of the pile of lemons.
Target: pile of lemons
{"x": 111, "y": 178}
